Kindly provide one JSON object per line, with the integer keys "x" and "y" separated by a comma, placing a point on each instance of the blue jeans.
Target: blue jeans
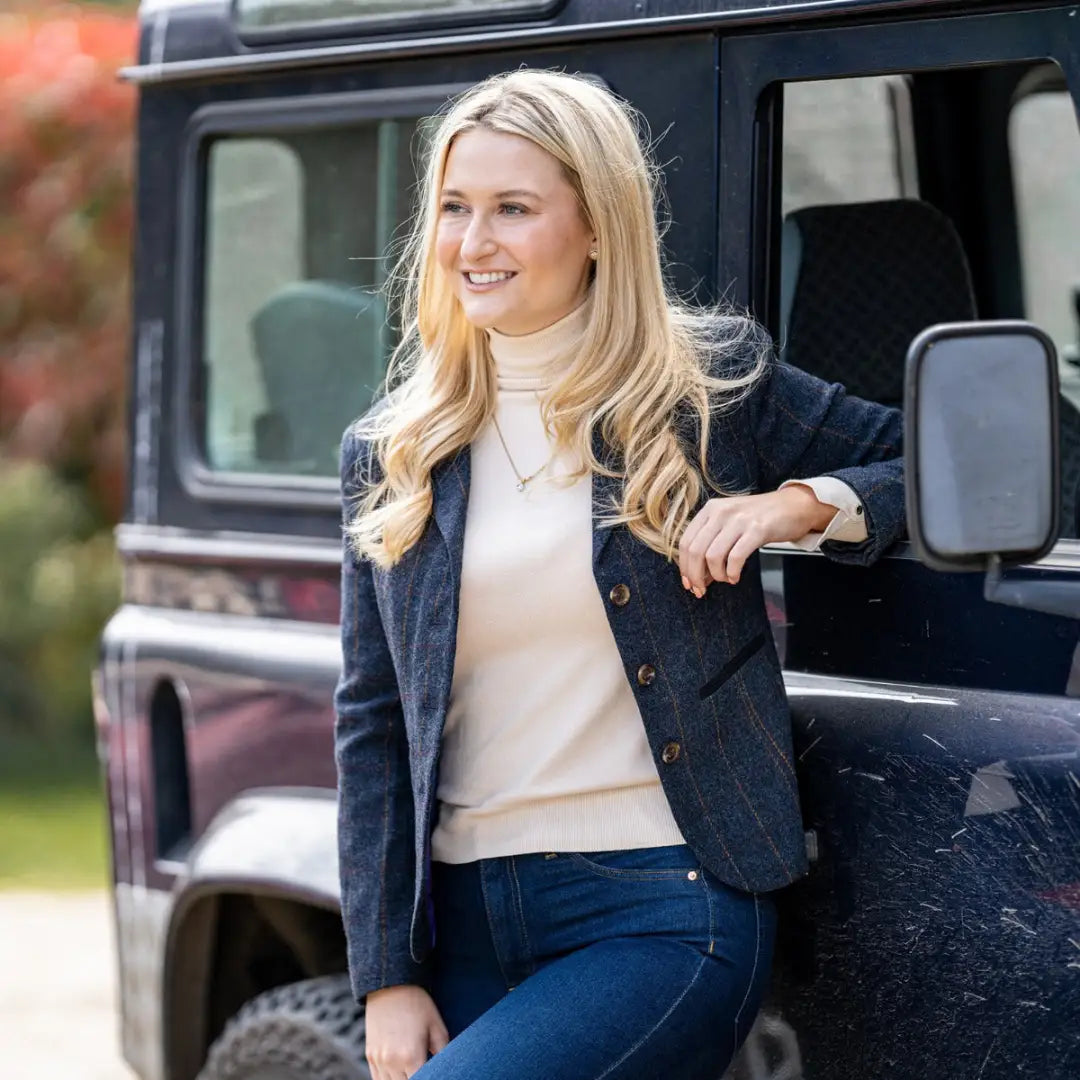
{"x": 618, "y": 965}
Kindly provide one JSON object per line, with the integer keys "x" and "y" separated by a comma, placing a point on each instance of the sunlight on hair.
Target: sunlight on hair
{"x": 648, "y": 374}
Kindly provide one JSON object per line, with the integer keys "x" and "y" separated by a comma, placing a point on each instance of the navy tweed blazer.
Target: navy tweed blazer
{"x": 705, "y": 672}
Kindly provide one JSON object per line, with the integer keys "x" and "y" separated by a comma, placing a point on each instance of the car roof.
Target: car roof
{"x": 193, "y": 39}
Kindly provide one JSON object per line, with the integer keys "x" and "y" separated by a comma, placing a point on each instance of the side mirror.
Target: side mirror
{"x": 981, "y": 455}
{"x": 981, "y": 446}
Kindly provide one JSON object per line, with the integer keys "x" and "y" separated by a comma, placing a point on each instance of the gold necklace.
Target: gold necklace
{"x": 522, "y": 480}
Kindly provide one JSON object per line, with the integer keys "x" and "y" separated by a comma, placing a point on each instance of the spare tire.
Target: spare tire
{"x": 311, "y": 1030}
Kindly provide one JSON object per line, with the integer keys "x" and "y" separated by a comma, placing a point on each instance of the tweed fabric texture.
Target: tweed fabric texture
{"x": 722, "y": 745}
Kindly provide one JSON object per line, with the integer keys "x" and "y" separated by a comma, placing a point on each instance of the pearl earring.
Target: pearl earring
{"x": 593, "y": 254}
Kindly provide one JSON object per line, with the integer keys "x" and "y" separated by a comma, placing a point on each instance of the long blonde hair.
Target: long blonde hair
{"x": 644, "y": 360}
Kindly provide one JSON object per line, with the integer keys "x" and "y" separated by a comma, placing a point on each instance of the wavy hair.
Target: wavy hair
{"x": 646, "y": 360}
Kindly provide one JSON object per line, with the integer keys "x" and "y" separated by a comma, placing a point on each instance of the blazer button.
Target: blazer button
{"x": 620, "y": 595}
{"x": 646, "y": 674}
{"x": 670, "y": 752}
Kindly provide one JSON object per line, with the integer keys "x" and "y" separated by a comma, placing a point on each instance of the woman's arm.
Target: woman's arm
{"x": 793, "y": 426}
{"x": 375, "y": 802}
{"x": 803, "y": 427}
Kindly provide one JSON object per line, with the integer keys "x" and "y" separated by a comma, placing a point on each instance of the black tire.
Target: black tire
{"x": 310, "y": 1030}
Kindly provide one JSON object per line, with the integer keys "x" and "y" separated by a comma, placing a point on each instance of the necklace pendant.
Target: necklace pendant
{"x": 521, "y": 485}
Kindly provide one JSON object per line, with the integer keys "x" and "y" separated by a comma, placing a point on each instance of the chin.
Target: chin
{"x": 484, "y": 317}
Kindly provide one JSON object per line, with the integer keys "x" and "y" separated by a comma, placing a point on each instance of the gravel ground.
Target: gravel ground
{"x": 58, "y": 1016}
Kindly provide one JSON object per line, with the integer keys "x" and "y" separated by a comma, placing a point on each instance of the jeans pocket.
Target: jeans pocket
{"x": 641, "y": 864}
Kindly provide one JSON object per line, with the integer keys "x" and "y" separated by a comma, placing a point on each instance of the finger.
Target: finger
{"x": 741, "y": 550}
{"x": 717, "y": 554}
{"x": 696, "y": 570}
{"x": 690, "y": 533}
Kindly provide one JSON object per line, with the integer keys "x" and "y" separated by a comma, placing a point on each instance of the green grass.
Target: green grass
{"x": 52, "y": 820}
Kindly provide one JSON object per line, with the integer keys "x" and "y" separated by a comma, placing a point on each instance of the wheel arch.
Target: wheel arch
{"x": 257, "y": 905}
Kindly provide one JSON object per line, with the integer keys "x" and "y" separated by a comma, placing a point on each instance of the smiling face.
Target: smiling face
{"x": 511, "y": 234}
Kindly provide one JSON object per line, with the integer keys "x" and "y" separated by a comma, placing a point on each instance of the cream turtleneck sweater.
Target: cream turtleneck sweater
{"x": 543, "y": 748}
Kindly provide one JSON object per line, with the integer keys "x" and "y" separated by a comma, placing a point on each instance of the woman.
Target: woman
{"x": 564, "y": 752}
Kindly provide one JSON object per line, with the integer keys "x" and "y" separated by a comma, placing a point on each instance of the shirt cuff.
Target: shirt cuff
{"x": 848, "y": 523}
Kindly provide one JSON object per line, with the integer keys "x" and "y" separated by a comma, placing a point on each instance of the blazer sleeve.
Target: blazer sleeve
{"x": 375, "y": 802}
{"x": 801, "y": 426}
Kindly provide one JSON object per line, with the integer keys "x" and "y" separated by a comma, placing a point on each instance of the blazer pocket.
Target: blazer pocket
{"x": 733, "y": 665}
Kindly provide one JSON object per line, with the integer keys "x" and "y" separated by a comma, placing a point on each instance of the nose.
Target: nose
{"x": 478, "y": 242}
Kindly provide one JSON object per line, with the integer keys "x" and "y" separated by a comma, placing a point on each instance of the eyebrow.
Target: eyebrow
{"x": 453, "y": 193}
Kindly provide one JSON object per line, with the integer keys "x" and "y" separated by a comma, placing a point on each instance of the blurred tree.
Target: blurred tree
{"x": 65, "y": 222}
{"x": 65, "y": 182}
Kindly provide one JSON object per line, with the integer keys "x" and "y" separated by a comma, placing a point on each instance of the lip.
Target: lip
{"x": 487, "y": 286}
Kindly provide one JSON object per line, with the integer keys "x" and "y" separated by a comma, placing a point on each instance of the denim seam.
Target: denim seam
{"x": 615, "y": 873}
{"x": 656, "y": 1027}
{"x": 491, "y": 926}
{"x": 753, "y": 972}
{"x": 521, "y": 915}
{"x": 712, "y": 910}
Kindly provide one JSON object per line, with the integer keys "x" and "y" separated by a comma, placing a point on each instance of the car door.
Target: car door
{"x": 937, "y": 734}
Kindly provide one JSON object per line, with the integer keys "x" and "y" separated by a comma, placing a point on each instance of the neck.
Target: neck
{"x": 529, "y": 361}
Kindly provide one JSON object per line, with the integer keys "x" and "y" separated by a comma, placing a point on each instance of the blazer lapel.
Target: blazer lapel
{"x": 605, "y": 494}
{"x": 450, "y": 491}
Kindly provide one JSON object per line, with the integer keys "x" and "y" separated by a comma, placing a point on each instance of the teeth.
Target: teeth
{"x": 487, "y": 279}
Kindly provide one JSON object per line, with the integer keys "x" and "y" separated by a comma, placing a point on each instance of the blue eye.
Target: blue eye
{"x": 514, "y": 209}
{"x": 451, "y": 207}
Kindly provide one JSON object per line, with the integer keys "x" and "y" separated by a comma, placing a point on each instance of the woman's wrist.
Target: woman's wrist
{"x": 808, "y": 508}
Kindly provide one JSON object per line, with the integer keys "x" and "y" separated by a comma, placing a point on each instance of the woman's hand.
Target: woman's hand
{"x": 403, "y": 1027}
{"x": 726, "y": 532}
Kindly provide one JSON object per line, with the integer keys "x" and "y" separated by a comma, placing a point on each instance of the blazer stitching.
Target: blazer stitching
{"x": 716, "y": 715}
{"x": 738, "y": 784}
{"x": 675, "y": 706}
{"x": 659, "y": 1023}
{"x": 428, "y": 651}
{"x": 383, "y": 913}
{"x": 819, "y": 430}
{"x": 405, "y": 611}
{"x": 749, "y": 702}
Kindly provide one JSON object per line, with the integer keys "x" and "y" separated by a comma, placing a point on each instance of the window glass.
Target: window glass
{"x": 846, "y": 140}
{"x": 294, "y": 336}
{"x": 1045, "y": 154}
{"x": 261, "y": 13}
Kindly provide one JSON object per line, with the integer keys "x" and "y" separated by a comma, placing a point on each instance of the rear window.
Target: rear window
{"x": 294, "y": 331}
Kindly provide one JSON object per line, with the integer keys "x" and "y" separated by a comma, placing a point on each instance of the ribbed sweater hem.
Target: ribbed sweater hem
{"x": 609, "y": 820}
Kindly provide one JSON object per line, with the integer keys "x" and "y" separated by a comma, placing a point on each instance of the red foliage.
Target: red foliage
{"x": 65, "y": 224}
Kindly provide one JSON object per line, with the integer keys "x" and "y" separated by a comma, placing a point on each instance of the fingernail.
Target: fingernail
{"x": 685, "y": 582}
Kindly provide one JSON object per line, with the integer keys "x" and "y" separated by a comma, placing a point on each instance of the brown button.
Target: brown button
{"x": 670, "y": 752}
{"x": 620, "y": 595}
{"x": 646, "y": 674}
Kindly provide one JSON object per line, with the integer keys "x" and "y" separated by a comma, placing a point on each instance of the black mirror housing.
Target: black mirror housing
{"x": 981, "y": 445}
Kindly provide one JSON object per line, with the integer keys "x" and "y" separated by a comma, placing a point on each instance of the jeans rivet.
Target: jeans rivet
{"x": 692, "y": 875}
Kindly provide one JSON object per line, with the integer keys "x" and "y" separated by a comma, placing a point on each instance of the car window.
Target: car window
{"x": 1045, "y": 152}
{"x": 846, "y": 140}
{"x": 294, "y": 330}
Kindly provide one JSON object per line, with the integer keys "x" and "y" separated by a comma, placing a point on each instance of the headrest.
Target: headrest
{"x": 319, "y": 350}
{"x": 859, "y": 281}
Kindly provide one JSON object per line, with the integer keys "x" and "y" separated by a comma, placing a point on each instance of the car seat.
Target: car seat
{"x": 318, "y": 347}
{"x": 860, "y": 280}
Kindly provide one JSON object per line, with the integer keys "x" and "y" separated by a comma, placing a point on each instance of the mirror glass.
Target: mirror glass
{"x": 984, "y": 430}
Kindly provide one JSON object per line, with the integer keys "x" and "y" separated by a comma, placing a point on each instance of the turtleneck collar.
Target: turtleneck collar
{"x": 526, "y": 361}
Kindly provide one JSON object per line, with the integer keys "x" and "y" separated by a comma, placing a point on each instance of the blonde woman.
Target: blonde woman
{"x": 563, "y": 747}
